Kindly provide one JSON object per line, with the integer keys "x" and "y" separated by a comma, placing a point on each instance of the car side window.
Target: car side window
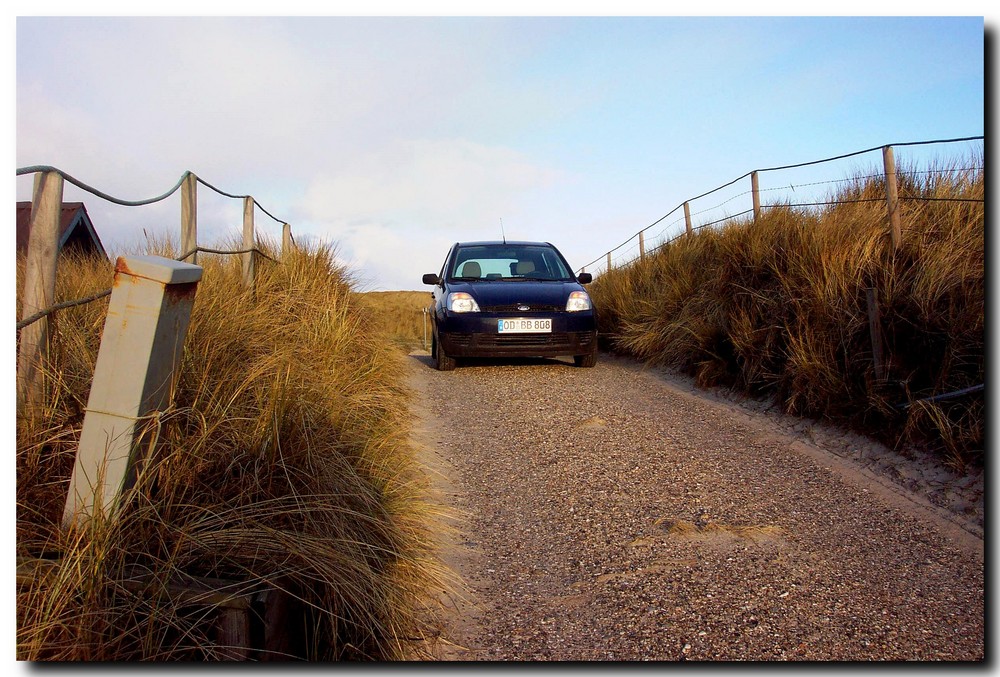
{"x": 444, "y": 266}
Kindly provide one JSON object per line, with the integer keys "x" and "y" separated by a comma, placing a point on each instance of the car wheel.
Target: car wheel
{"x": 442, "y": 361}
{"x": 588, "y": 360}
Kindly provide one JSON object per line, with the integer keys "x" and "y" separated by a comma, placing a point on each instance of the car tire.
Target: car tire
{"x": 442, "y": 361}
{"x": 588, "y": 360}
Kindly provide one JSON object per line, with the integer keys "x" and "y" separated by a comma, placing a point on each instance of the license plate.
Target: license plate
{"x": 523, "y": 325}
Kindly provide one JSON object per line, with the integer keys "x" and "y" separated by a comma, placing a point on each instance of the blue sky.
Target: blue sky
{"x": 394, "y": 137}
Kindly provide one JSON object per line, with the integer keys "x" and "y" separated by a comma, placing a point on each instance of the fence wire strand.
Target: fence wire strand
{"x": 793, "y": 186}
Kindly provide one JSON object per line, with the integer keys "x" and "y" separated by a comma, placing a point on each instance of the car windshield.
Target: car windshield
{"x": 509, "y": 262}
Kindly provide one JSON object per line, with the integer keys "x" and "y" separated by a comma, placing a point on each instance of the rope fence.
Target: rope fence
{"x": 61, "y": 306}
{"x": 635, "y": 247}
{"x": 107, "y": 292}
{"x": 34, "y": 169}
{"x": 38, "y": 297}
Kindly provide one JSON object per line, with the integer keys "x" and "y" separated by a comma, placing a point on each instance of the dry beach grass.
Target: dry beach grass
{"x": 777, "y": 308}
{"x": 281, "y": 463}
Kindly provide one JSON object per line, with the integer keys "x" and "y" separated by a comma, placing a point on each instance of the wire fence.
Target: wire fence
{"x": 180, "y": 185}
{"x": 797, "y": 193}
{"x": 804, "y": 185}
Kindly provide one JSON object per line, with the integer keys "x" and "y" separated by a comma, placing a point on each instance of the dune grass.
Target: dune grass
{"x": 401, "y": 315}
{"x": 777, "y": 307}
{"x": 282, "y": 463}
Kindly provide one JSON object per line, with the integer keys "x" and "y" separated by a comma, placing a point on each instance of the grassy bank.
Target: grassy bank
{"x": 400, "y": 314}
{"x": 778, "y": 308}
{"x": 282, "y": 463}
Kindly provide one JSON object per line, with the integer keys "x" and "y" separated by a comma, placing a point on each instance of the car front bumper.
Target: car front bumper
{"x": 476, "y": 335}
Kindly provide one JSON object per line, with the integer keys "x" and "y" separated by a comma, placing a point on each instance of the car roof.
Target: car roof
{"x": 503, "y": 243}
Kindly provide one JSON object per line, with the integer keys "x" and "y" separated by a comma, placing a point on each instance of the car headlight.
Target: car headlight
{"x": 578, "y": 300}
{"x": 460, "y": 302}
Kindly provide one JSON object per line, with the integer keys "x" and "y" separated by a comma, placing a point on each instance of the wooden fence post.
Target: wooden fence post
{"x": 687, "y": 218}
{"x": 286, "y": 240}
{"x": 892, "y": 196}
{"x": 755, "y": 189}
{"x": 39, "y": 288}
{"x": 609, "y": 262}
{"x": 189, "y": 217}
{"x": 423, "y": 312}
{"x": 875, "y": 330}
{"x": 249, "y": 242}
{"x": 280, "y": 611}
{"x": 642, "y": 247}
{"x": 233, "y": 634}
{"x": 134, "y": 376}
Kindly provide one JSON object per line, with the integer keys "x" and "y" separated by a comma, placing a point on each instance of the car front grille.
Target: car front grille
{"x": 513, "y": 308}
{"x": 486, "y": 341}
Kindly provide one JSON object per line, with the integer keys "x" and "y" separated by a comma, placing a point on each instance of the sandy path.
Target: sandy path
{"x": 616, "y": 513}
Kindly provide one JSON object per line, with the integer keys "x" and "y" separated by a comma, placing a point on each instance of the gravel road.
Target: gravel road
{"x": 617, "y": 513}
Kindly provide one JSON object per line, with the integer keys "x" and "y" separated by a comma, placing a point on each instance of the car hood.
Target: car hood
{"x": 528, "y": 292}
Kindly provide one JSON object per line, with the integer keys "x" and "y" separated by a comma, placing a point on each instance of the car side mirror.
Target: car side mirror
{"x": 584, "y": 278}
{"x": 431, "y": 278}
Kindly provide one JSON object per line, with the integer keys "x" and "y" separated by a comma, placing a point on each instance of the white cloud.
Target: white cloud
{"x": 396, "y": 211}
{"x": 143, "y": 99}
{"x": 384, "y": 258}
{"x": 443, "y": 183}
{"x": 396, "y": 136}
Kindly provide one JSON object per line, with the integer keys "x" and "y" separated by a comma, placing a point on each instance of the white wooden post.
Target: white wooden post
{"x": 687, "y": 218}
{"x": 39, "y": 287}
{"x": 249, "y": 242}
{"x": 642, "y": 247}
{"x": 134, "y": 376}
{"x": 189, "y": 217}
{"x": 609, "y": 262}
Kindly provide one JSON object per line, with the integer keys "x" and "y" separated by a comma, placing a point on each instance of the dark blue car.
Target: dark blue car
{"x": 510, "y": 299}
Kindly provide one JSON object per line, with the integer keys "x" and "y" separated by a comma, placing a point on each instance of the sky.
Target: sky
{"x": 393, "y": 137}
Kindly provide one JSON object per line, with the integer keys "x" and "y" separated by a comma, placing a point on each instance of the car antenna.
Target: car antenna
{"x": 501, "y": 231}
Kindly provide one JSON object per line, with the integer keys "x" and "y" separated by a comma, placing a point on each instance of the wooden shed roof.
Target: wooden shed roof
{"x": 75, "y": 228}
